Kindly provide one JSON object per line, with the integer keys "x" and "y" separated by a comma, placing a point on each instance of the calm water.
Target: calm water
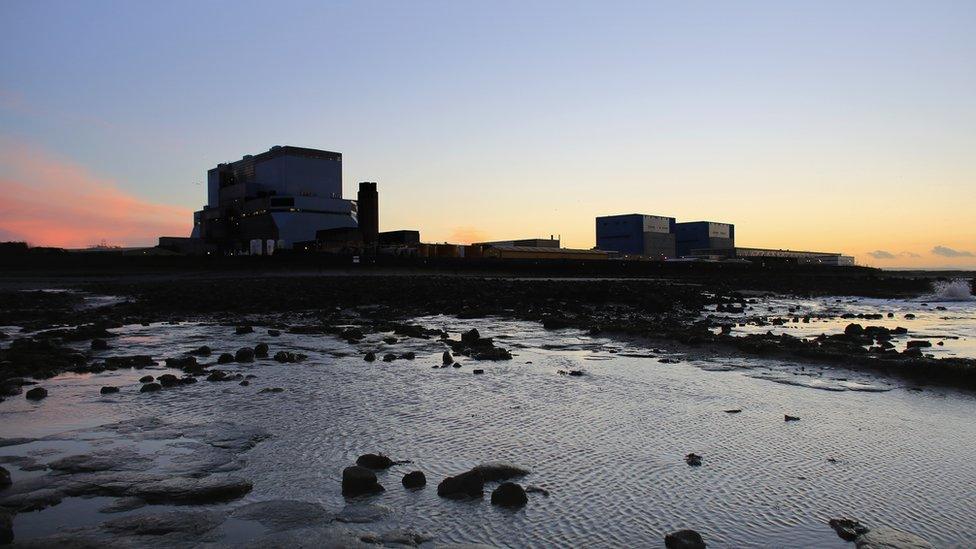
{"x": 609, "y": 446}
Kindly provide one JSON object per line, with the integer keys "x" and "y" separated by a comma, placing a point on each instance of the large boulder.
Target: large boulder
{"x": 357, "y": 480}
{"x": 509, "y": 494}
{"x": 684, "y": 539}
{"x": 466, "y": 485}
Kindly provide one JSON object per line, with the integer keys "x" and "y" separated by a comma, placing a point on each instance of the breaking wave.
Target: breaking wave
{"x": 952, "y": 290}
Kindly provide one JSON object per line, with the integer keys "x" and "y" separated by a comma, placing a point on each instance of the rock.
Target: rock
{"x": 854, "y": 330}
{"x": 889, "y": 538}
{"x": 733, "y": 411}
{"x": 168, "y": 380}
{"x": 693, "y": 459}
{"x": 357, "y": 480}
{"x": 225, "y": 358}
{"x": 274, "y": 333}
{"x": 244, "y": 354}
{"x": 5, "y": 478}
{"x": 146, "y": 379}
{"x": 471, "y": 337}
{"x": 283, "y": 514}
{"x": 477, "y": 371}
{"x": 202, "y": 351}
{"x": 183, "y": 363}
{"x": 399, "y": 537}
{"x": 414, "y": 480}
{"x": 847, "y": 529}
{"x": 187, "y": 380}
{"x": 788, "y": 417}
{"x": 241, "y": 330}
{"x": 108, "y": 389}
{"x": 465, "y": 485}
{"x": 6, "y": 527}
{"x": 409, "y": 355}
{"x": 286, "y": 356}
{"x": 370, "y": 357}
{"x": 244, "y": 383}
{"x": 374, "y": 461}
{"x": 390, "y": 340}
{"x": 187, "y": 490}
{"x": 219, "y": 375}
{"x": 99, "y": 345}
{"x": 918, "y": 343}
{"x": 272, "y": 390}
{"x": 455, "y": 365}
{"x": 509, "y": 494}
{"x": 261, "y": 350}
{"x": 37, "y": 393}
{"x": 684, "y": 539}
{"x": 389, "y": 357}
{"x": 361, "y": 513}
{"x": 192, "y": 523}
{"x": 909, "y": 316}
{"x": 150, "y": 388}
{"x": 447, "y": 358}
{"x": 496, "y": 471}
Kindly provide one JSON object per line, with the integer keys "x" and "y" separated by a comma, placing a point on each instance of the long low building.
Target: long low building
{"x": 832, "y": 259}
{"x": 542, "y": 252}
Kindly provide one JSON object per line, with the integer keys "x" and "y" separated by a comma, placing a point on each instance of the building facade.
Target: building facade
{"x": 637, "y": 234}
{"x": 697, "y": 235}
{"x": 285, "y": 195}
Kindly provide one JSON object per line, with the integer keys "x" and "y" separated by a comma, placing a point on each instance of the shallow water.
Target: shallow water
{"x": 949, "y": 325}
{"x": 609, "y": 446}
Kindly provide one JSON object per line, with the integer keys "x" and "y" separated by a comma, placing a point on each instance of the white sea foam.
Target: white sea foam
{"x": 952, "y": 290}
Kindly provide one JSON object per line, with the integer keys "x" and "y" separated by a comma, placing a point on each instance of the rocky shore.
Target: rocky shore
{"x": 663, "y": 310}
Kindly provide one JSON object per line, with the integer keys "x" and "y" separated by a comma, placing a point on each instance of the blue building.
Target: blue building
{"x": 702, "y": 235}
{"x": 637, "y": 234}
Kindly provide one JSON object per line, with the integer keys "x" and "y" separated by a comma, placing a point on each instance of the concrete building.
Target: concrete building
{"x": 636, "y": 234}
{"x": 695, "y": 235}
{"x": 283, "y": 196}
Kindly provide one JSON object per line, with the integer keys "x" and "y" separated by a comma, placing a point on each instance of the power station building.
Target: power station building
{"x": 637, "y": 234}
{"x": 698, "y": 235}
{"x": 281, "y": 197}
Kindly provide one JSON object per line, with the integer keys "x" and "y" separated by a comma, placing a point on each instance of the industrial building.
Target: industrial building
{"x": 831, "y": 259}
{"x": 693, "y": 235}
{"x": 276, "y": 199}
{"x": 636, "y": 235}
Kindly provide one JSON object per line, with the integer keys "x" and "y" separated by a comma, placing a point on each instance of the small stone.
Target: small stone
{"x": 146, "y": 379}
{"x": 244, "y": 354}
{"x": 370, "y": 357}
{"x": 477, "y": 371}
{"x": 693, "y": 459}
{"x": 241, "y": 330}
{"x": 37, "y": 393}
{"x": 108, "y": 389}
{"x": 150, "y": 388}
{"x": 225, "y": 358}
{"x": 788, "y": 417}
{"x": 261, "y": 350}
{"x": 274, "y": 333}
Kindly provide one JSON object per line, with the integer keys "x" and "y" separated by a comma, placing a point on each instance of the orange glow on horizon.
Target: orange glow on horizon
{"x": 50, "y": 202}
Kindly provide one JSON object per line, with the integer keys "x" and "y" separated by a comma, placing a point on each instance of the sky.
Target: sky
{"x": 829, "y": 126}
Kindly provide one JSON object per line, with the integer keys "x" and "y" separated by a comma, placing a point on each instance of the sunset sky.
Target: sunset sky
{"x": 834, "y": 126}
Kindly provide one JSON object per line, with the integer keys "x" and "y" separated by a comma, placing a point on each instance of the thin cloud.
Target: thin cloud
{"x": 51, "y": 202}
{"x": 881, "y": 254}
{"x": 949, "y": 252}
{"x": 909, "y": 254}
{"x": 467, "y": 235}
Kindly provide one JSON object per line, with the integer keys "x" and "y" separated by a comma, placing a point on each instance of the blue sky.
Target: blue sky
{"x": 828, "y": 125}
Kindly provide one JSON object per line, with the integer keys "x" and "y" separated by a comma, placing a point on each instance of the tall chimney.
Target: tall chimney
{"x": 369, "y": 212}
